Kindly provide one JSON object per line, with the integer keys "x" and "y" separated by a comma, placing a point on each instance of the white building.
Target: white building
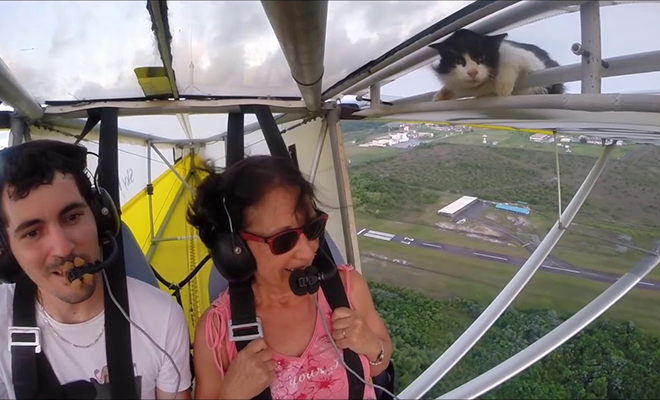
{"x": 457, "y": 206}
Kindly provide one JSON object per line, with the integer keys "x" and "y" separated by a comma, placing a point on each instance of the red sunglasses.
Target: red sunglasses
{"x": 283, "y": 242}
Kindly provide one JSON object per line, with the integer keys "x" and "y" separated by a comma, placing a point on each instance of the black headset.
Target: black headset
{"x": 107, "y": 224}
{"x": 231, "y": 255}
{"x": 235, "y": 262}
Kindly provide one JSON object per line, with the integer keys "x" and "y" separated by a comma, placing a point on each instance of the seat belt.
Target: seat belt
{"x": 244, "y": 325}
{"x": 32, "y": 375}
{"x": 335, "y": 294}
{"x": 119, "y": 352}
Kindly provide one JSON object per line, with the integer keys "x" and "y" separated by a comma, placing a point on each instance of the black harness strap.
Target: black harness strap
{"x": 117, "y": 329}
{"x": 333, "y": 290}
{"x": 244, "y": 320}
{"x": 32, "y": 375}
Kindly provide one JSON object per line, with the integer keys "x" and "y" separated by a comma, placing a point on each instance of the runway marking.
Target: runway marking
{"x": 646, "y": 283}
{"x": 562, "y": 269}
{"x": 489, "y": 256}
{"x": 363, "y": 229}
{"x": 432, "y": 245}
{"x": 373, "y": 236}
{"x": 381, "y": 233}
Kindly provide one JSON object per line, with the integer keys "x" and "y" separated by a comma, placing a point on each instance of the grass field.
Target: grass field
{"x": 627, "y": 192}
{"x": 624, "y": 206}
{"x": 442, "y": 275}
{"x": 358, "y": 155}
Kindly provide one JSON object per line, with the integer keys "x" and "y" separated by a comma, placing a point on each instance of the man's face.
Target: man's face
{"x": 52, "y": 225}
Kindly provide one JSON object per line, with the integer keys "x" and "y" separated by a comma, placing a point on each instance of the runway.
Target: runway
{"x": 517, "y": 262}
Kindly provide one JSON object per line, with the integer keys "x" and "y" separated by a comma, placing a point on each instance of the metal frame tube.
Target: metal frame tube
{"x": 319, "y": 149}
{"x": 300, "y": 28}
{"x": 544, "y": 346}
{"x": 624, "y": 65}
{"x": 129, "y": 108}
{"x": 374, "y": 95}
{"x": 18, "y": 130}
{"x": 171, "y": 167}
{"x": 471, "y": 336}
{"x": 150, "y": 192}
{"x": 591, "y": 64}
{"x": 175, "y": 238}
{"x": 364, "y": 78}
{"x": 15, "y": 95}
{"x": 573, "y": 102}
{"x": 522, "y": 11}
{"x": 161, "y": 230}
{"x": 343, "y": 189}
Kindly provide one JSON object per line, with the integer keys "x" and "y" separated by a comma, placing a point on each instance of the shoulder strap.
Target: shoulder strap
{"x": 244, "y": 325}
{"x": 119, "y": 351}
{"x": 32, "y": 375}
{"x": 333, "y": 290}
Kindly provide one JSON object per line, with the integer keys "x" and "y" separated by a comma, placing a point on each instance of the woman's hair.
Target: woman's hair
{"x": 243, "y": 185}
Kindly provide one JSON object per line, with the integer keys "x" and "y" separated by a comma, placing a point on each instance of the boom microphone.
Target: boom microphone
{"x": 307, "y": 280}
{"x": 96, "y": 266}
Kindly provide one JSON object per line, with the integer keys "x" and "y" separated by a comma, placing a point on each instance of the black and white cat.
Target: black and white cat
{"x": 478, "y": 65}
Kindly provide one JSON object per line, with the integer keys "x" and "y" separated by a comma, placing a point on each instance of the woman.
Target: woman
{"x": 265, "y": 196}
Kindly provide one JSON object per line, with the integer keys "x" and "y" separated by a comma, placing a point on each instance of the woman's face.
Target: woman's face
{"x": 275, "y": 213}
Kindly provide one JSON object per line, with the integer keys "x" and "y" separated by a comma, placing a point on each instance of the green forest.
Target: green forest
{"x": 613, "y": 360}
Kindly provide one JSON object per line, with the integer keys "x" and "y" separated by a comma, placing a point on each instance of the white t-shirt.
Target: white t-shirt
{"x": 150, "y": 308}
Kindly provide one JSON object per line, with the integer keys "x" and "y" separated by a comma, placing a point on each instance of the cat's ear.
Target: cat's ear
{"x": 497, "y": 39}
{"x": 439, "y": 47}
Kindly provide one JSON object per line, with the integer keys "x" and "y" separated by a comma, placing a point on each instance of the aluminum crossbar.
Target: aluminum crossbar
{"x": 556, "y": 337}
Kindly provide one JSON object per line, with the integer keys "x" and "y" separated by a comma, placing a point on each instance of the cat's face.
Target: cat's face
{"x": 468, "y": 58}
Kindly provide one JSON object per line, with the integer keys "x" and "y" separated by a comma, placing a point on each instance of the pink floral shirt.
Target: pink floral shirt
{"x": 316, "y": 374}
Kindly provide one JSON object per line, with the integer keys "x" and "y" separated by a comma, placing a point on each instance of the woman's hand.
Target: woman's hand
{"x": 349, "y": 330}
{"x": 250, "y": 372}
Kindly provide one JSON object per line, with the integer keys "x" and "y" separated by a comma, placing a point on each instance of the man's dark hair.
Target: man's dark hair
{"x": 32, "y": 164}
{"x": 242, "y": 185}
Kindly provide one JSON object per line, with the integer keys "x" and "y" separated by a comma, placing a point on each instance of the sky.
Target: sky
{"x": 81, "y": 50}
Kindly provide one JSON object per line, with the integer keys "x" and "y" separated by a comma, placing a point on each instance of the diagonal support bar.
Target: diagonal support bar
{"x": 471, "y": 336}
{"x": 544, "y": 346}
{"x": 171, "y": 167}
{"x": 15, "y": 95}
{"x": 168, "y": 215}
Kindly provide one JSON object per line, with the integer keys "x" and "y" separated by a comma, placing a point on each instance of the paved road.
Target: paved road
{"x": 517, "y": 262}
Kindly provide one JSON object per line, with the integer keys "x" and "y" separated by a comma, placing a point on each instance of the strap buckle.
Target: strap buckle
{"x": 24, "y": 342}
{"x": 235, "y": 336}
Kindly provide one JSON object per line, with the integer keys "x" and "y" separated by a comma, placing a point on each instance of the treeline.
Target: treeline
{"x": 606, "y": 360}
{"x": 485, "y": 175}
{"x": 381, "y": 197}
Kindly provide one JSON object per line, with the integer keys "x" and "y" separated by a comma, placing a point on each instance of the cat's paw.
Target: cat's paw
{"x": 443, "y": 94}
{"x": 503, "y": 88}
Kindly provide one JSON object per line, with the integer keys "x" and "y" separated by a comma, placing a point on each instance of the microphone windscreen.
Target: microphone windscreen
{"x": 294, "y": 282}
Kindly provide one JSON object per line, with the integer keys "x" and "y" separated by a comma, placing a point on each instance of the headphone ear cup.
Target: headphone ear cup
{"x": 233, "y": 258}
{"x": 105, "y": 212}
{"x": 10, "y": 271}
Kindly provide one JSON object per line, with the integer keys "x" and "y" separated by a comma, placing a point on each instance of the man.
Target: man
{"x": 47, "y": 222}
